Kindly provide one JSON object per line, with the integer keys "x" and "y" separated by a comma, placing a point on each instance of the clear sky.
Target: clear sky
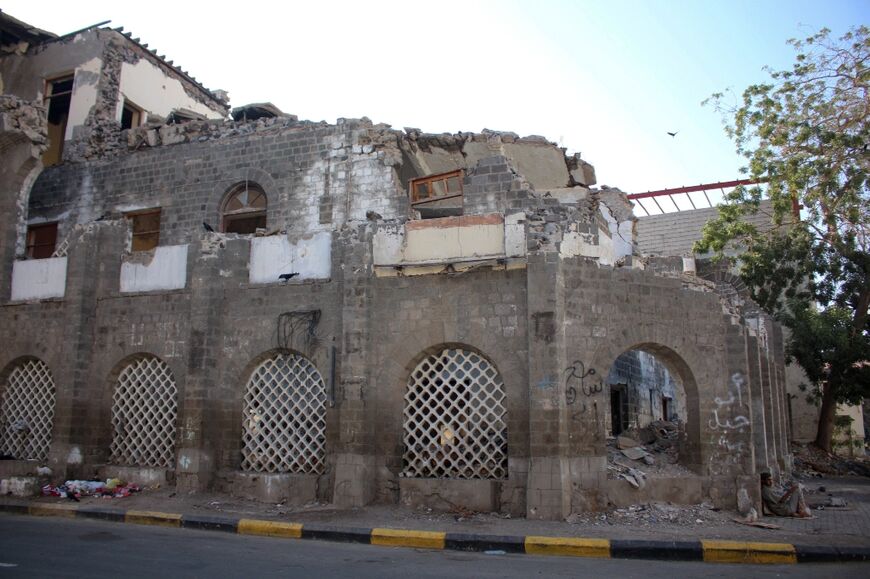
{"x": 607, "y": 78}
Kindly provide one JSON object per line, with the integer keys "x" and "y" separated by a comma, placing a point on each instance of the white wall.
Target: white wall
{"x": 166, "y": 270}
{"x": 36, "y": 279}
{"x": 84, "y": 96}
{"x": 450, "y": 239}
{"x": 151, "y": 89}
{"x": 310, "y": 257}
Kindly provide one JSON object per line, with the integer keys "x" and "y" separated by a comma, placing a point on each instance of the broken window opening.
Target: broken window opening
{"x": 58, "y": 96}
{"x": 437, "y": 195}
{"x": 244, "y": 210}
{"x": 131, "y": 116}
{"x": 618, "y": 408}
{"x": 41, "y": 240}
{"x": 146, "y": 229}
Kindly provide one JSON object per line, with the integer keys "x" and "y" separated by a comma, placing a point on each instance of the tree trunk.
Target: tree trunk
{"x": 825, "y": 432}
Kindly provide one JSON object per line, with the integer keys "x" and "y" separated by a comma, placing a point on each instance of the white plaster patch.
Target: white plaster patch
{"x": 37, "y": 279}
{"x": 387, "y": 244}
{"x": 446, "y": 243}
{"x": 166, "y": 271}
{"x": 309, "y": 257}
{"x": 84, "y": 95}
{"x": 576, "y": 244}
{"x": 74, "y": 456}
{"x": 515, "y": 244}
{"x": 149, "y": 88}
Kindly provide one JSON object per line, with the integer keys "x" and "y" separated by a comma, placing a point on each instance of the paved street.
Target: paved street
{"x": 50, "y": 547}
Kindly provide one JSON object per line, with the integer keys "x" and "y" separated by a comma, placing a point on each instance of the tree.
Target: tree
{"x": 805, "y": 136}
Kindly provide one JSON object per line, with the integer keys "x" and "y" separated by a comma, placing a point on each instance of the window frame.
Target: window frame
{"x": 31, "y": 246}
{"x": 228, "y": 217}
{"x": 137, "y": 114}
{"x": 136, "y": 243}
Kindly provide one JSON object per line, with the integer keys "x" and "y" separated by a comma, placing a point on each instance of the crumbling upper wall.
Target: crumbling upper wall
{"x": 540, "y": 161}
{"x": 108, "y": 68}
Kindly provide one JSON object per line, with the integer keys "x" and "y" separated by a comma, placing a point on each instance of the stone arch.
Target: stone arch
{"x": 454, "y": 416}
{"x": 27, "y": 404}
{"x": 144, "y": 412}
{"x": 283, "y": 415}
{"x": 228, "y": 181}
{"x": 681, "y": 372}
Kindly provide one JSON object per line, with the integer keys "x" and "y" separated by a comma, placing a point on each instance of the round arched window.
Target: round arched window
{"x": 244, "y": 210}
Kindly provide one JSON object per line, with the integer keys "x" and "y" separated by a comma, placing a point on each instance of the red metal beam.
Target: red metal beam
{"x": 705, "y": 187}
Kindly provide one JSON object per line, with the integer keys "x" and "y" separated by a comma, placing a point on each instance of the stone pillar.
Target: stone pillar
{"x": 548, "y": 495}
{"x": 198, "y": 413}
{"x": 756, "y": 403}
{"x": 80, "y": 440}
{"x": 355, "y": 463}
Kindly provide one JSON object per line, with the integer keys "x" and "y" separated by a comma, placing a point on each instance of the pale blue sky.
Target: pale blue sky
{"x": 608, "y": 79}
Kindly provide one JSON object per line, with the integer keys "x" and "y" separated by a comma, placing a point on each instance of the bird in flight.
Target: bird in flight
{"x": 207, "y": 227}
{"x": 674, "y": 134}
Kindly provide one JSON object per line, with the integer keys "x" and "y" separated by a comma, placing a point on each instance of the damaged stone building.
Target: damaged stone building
{"x": 344, "y": 312}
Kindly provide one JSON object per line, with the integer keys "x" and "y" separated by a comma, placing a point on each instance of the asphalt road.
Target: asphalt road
{"x": 38, "y": 548}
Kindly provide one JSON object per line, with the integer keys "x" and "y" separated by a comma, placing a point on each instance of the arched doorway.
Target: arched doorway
{"x": 653, "y": 411}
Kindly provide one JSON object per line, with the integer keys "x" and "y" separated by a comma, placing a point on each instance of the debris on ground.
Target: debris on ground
{"x": 76, "y": 489}
{"x": 653, "y": 514}
{"x": 810, "y": 461}
{"x": 653, "y": 448}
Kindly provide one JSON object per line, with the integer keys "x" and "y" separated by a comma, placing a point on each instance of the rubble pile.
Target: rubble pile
{"x": 649, "y": 451}
{"x": 654, "y": 514}
{"x": 811, "y": 461}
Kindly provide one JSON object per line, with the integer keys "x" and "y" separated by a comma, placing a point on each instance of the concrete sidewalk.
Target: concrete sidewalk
{"x": 835, "y": 534}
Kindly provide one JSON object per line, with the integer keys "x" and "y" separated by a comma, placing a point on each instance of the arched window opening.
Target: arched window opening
{"x": 648, "y": 413}
{"x": 284, "y": 417}
{"x": 27, "y": 411}
{"x": 455, "y": 418}
{"x": 144, "y": 408}
{"x": 244, "y": 210}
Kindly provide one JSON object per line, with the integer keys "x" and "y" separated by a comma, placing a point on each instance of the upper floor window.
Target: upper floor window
{"x": 146, "y": 229}
{"x": 58, "y": 96}
{"x": 41, "y": 240}
{"x": 131, "y": 115}
{"x": 244, "y": 210}
{"x": 437, "y": 195}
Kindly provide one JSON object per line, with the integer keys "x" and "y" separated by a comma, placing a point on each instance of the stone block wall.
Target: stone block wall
{"x": 544, "y": 322}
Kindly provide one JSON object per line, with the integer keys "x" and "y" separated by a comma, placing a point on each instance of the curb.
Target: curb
{"x": 711, "y": 551}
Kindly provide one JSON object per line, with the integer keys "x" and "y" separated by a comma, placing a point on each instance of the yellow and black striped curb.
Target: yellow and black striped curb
{"x": 700, "y": 550}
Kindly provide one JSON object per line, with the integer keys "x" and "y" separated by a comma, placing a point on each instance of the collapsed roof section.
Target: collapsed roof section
{"x": 542, "y": 162}
{"x": 16, "y": 36}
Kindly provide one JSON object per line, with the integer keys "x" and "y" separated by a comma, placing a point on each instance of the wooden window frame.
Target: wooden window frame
{"x": 32, "y": 247}
{"x": 229, "y": 217}
{"x": 421, "y": 189}
{"x": 137, "y": 114}
{"x": 139, "y": 240}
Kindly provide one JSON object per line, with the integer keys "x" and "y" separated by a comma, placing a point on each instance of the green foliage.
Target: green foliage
{"x": 805, "y": 137}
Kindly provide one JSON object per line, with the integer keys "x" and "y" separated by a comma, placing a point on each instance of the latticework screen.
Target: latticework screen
{"x": 143, "y": 414}
{"x": 284, "y": 417}
{"x": 455, "y": 418}
{"x": 27, "y": 411}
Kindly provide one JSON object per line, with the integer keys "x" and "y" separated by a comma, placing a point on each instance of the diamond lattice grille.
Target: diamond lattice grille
{"x": 284, "y": 417}
{"x": 143, "y": 414}
{"x": 27, "y": 411}
{"x": 455, "y": 418}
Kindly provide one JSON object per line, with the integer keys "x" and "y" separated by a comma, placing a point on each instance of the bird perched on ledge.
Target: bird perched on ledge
{"x": 287, "y": 276}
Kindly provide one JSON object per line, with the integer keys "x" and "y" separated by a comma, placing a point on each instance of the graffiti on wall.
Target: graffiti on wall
{"x": 724, "y": 405}
{"x": 578, "y": 381}
{"x": 728, "y": 423}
